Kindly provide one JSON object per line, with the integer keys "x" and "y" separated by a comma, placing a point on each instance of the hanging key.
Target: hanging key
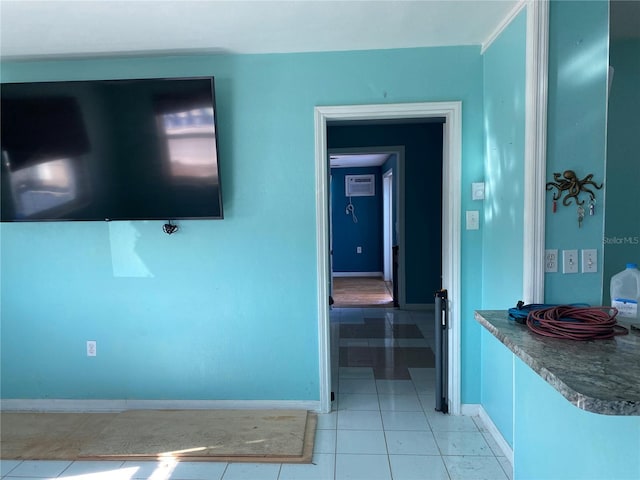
{"x": 592, "y": 208}
{"x": 580, "y": 216}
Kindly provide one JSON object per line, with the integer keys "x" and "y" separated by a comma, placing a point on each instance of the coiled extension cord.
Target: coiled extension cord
{"x": 575, "y": 323}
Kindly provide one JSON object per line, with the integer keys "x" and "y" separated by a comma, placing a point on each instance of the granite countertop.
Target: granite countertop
{"x": 599, "y": 376}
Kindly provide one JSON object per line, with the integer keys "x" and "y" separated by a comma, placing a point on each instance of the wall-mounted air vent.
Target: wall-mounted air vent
{"x": 360, "y": 185}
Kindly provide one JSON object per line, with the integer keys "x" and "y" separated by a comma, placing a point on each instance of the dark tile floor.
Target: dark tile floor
{"x": 377, "y": 343}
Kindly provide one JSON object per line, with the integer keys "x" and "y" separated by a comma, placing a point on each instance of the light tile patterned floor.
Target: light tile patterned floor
{"x": 379, "y": 429}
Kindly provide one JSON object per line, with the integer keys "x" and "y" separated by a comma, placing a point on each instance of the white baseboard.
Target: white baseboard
{"x": 357, "y": 274}
{"x": 64, "y": 405}
{"x": 470, "y": 409}
{"x": 495, "y": 433}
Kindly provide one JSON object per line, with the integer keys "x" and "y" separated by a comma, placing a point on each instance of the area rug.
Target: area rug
{"x": 269, "y": 436}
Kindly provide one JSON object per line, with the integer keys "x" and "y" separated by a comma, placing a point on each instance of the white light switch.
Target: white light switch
{"x": 570, "y": 261}
{"x": 589, "y": 261}
{"x": 473, "y": 220}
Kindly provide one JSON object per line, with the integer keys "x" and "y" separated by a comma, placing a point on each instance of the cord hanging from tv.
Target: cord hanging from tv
{"x": 136, "y": 149}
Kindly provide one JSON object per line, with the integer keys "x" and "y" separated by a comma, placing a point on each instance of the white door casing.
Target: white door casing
{"x": 451, "y": 201}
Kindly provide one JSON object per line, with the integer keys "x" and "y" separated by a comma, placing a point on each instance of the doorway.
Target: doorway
{"x": 363, "y": 221}
{"x": 452, "y": 134}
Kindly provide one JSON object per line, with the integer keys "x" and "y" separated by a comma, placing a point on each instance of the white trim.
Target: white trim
{"x": 357, "y": 274}
{"x": 452, "y": 158}
{"x": 535, "y": 150}
{"x": 470, "y": 409}
{"x": 65, "y": 405}
{"x": 502, "y": 25}
{"x": 495, "y": 433}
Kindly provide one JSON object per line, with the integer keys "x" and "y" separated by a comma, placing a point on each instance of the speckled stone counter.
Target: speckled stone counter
{"x": 601, "y": 376}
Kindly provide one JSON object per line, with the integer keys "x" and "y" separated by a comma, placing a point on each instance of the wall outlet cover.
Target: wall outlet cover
{"x": 477, "y": 191}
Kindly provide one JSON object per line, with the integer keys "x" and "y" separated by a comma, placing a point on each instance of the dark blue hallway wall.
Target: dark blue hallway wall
{"x": 366, "y": 233}
{"x": 422, "y": 195}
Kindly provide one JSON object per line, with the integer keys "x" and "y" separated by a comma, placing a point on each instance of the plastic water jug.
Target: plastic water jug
{"x": 625, "y": 293}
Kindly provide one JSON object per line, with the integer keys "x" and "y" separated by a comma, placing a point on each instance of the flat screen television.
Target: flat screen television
{"x": 138, "y": 149}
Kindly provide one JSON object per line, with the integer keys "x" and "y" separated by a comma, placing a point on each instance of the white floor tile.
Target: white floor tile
{"x": 359, "y": 420}
{"x": 400, "y": 403}
{"x": 361, "y": 442}
{"x": 411, "y": 443}
{"x": 327, "y": 421}
{"x": 450, "y": 423}
{"x": 358, "y": 401}
{"x": 493, "y": 445}
{"x": 474, "y": 468}
{"x": 150, "y": 470}
{"x": 252, "y": 471}
{"x": 198, "y": 471}
{"x": 418, "y": 467}
{"x": 7, "y": 465}
{"x": 357, "y": 385}
{"x": 40, "y": 469}
{"x": 404, "y": 421}
{"x": 98, "y": 469}
{"x": 325, "y": 441}
{"x": 322, "y": 468}
{"x": 396, "y": 387}
{"x": 362, "y": 467}
{"x": 462, "y": 443}
{"x": 506, "y": 466}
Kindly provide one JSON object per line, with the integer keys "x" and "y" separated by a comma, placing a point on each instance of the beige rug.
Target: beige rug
{"x": 280, "y": 436}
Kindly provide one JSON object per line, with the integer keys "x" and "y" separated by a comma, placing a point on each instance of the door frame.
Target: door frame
{"x": 451, "y": 215}
{"x": 388, "y": 204}
{"x": 397, "y": 150}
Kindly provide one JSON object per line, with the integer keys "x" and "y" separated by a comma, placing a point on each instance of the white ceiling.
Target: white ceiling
{"x": 107, "y": 27}
{"x": 358, "y": 160}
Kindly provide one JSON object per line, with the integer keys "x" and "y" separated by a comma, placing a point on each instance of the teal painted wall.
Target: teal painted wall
{"x": 555, "y": 440}
{"x": 223, "y": 309}
{"x": 622, "y": 221}
{"x": 502, "y": 255}
{"x": 497, "y": 384}
{"x": 504, "y": 114}
{"x": 578, "y": 64}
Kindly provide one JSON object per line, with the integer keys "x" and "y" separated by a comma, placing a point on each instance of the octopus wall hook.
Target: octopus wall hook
{"x": 572, "y": 186}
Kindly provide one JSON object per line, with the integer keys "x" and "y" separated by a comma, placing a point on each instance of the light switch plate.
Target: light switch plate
{"x": 589, "y": 260}
{"x": 473, "y": 220}
{"x": 570, "y": 261}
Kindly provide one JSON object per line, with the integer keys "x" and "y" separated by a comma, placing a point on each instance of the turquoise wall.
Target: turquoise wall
{"x": 504, "y": 120}
{"x": 502, "y": 256}
{"x": 555, "y": 440}
{"x": 622, "y": 223}
{"x": 222, "y": 309}
{"x": 578, "y": 64}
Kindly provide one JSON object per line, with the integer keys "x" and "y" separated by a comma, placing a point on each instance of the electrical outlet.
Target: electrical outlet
{"x": 551, "y": 261}
{"x": 570, "y": 261}
{"x": 358, "y": 249}
{"x": 590, "y": 261}
{"x": 91, "y": 348}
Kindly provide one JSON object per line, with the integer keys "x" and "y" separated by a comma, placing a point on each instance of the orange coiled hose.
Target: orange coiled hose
{"x": 576, "y": 323}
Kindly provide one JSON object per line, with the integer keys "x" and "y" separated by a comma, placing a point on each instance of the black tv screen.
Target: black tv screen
{"x": 143, "y": 149}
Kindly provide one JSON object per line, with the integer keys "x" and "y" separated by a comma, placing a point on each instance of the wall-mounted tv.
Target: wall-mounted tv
{"x": 139, "y": 149}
